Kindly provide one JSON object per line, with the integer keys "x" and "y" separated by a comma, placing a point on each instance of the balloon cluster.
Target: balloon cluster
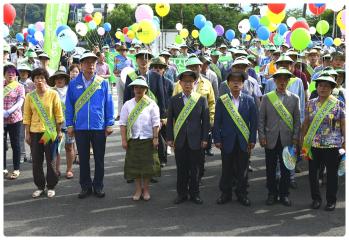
{"x": 33, "y": 34}
{"x": 207, "y": 34}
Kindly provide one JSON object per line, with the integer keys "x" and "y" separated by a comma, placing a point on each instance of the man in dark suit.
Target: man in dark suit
{"x": 235, "y": 129}
{"x": 188, "y": 124}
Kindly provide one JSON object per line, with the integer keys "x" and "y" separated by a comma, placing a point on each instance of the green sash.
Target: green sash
{"x": 50, "y": 129}
{"x": 133, "y": 75}
{"x": 87, "y": 94}
{"x": 292, "y": 80}
{"x": 10, "y": 87}
{"x": 183, "y": 115}
{"x": 326, "y": 107}
{"x": 281, "y": 109}
{"x": 143, "y": 103}
{"x": 215, "y": 68}
{"x": 235, "y": 115}
{"x": 310, "y": 70}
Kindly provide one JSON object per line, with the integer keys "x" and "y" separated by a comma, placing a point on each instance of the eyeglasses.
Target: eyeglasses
{"x": 158, "y": 67}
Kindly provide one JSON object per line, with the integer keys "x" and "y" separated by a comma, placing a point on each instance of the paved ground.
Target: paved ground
{"x": 118, "y": 215}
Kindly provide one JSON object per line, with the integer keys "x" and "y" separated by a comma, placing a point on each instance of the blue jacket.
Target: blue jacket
{"x": 226, "y": 132}
{"x": 96, "y": 114}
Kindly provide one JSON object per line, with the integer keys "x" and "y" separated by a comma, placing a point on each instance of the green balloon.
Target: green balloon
{"x": 265, "y": 21}
{"x": 207, "y": 36}
{"x": 179, "y": 39}
{"x": 278, "y": 40}
{"x": 300, "y": 39}
{"x": 322, "y": 27}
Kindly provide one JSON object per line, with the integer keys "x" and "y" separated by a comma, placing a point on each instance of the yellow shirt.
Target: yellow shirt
{"x": 53, "y": 108}
{"x": 206, "y": 90}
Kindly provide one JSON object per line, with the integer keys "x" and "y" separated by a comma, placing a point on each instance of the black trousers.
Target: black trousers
{"x": 162, "y": 149}
{"x": 272, "y": 156}
{"x": 187, "y": 162}
{"x": 330, "y": 158}
{"x": 83, "y": 140}
{"x": 14, "y": 132}
{"x": 234, "y": 166}
{"x": 38, "y": 150}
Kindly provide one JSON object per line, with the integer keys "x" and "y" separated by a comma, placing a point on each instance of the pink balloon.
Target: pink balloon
{"x": 100, "y": 31}
{"x": 343, "y": 17}
{"x": 288, "y": 38}
{"x": 40, "y": 26}
{"x": 144, "y": 12}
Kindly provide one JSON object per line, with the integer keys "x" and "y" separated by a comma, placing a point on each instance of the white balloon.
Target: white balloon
{"x": 5, "y": 31}
{"x": 67, "y": 40}
{"x": 39, "y": 36}
{"x": 100, "y": 31}
{"x": 235, "y": 42}
{"x": 312, "y": 30}
{"x": 179, "y": 26}
{"x": 89, "y": 7}
{"x": 24, "y": 30}
{"x": 81, "y": 29}
{"x": 124, "y": 72}
{"x": 263, "y": 10}
{"x": 244, "y": 26}
{"x": 335, "y": 6}
{"x": 290, "y": 21}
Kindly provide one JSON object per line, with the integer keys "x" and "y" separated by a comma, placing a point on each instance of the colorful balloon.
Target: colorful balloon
{"x": 81, "y": 29}
{"x": 328, "y": 41}
{"x": 290, "y": 21}
{"x": 92, "y": 25}
{"x": 179, "y": 39}
{"x": 300, "y": 39}
{"x": 89, "y": 7}
{"x": 322, "y": 27}
{"x": 209, "y": 23}
{"x": 39, "y": 36}
{"x": 5, "y": 30}
{"x": 276, "y": 18}
{"x": 107, "y": 27}
{"x": 207, "y": 36}
{"x": 312, "y": 30}
{"x": 276, "y": 7}
{"x": 67, "y": 40}
{"x": 299, "y": 24}
{"x": 162, "y": 9}
{"x": 263, "y": 33}
{"x": 254, "y": 21}
{"x": 184, "y": 33}
{"x": 9, "y": 14}
{"x": 282, "y": 28}
{"x": 144, "y": 12}
{"x": 316, "y": 10}
{"x": 340, "y": 19}
{"x": 19, "y": 37}
{"x": 40, "y": 26}
{"x": 219, "y": 30}
{"x": 179, "y": 26}
{"x": 31, "y": 31}
{"x": 97, "y": 20}
{"x": 337, "y": 42}
{"x": 88, "y": 18}
{"x": 131, "y": 34}
{"x": 147, "y": 32}
{"x": 195, "y": 34}
{"x": 235, "y": 42}
{"x": 199, "y": 21}
{"x": 244, "y": 26}
{"x": 278, "y": 40}
{"x": 100, "y": 31}
{"x": 230, "y": 35}
{"x": 58, "y": 29}
{"x": 265, "y": 21}
{"x": 98, "y": 15}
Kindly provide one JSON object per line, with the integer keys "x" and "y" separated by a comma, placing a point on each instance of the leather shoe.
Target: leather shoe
{"x": 153, "y": 180}
{"x": 293, "y": 185}
{"x": 223, "y": 198}
{"x": 85, "y": 193}
{"x": 130, "y": 180}
{"x": 180, "y": 199}
{"x": 209, "y": 152}
{"x": 330, "y": 206}
{"x": 244, "y": 201}
{"x": 99, "y": 193}
{"x": 271, "y": 200}
{"x": 196, "y": 200}
{"x": 285, "y": 201}
{"x": 316, "y": 204}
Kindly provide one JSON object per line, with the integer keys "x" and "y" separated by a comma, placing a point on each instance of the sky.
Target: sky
{"x": 289, "y": 5}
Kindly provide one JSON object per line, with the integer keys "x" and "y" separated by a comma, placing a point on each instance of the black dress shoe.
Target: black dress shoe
{"x": 153, "y": 180}
{"x": 293, "y": 185}
{"x": 180, "y": 199}
{"x": 244, "y": 201}
{"x": 285, "y": 201}
{"x": 196, "y": 200}
{"x": 209, "y": 152}
{"x": 316, "y": 204}
{"x": 271, "y": 200}
{"x": 250, "y": 169}
{"x": 99, "y": 193}
{"x": 85, "y": 193}
{"x": 223, "y": 198}
{"x": 130, "y": 180}
{"x": 330, "y": 206}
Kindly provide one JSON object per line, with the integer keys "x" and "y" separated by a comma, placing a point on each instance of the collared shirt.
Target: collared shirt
{"x": 28, "y": 85}
{"x": 10, "y": 100}
{"x": 185, "y": 98}
{"x": 235, "y": 100}
{"x": 102, "y": 69}
{"x": 87, "y": 83}
{"x": 147, "y": 119}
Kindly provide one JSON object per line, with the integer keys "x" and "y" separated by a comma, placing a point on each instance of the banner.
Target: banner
{"x": 180, "y": 63}
{"x": 225, "y": 60}
{"x": 109, "y": 59}
{"x": 56, "y": 15}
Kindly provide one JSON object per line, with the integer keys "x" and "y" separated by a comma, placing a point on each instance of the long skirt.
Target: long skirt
{"x": 142, "y": 160}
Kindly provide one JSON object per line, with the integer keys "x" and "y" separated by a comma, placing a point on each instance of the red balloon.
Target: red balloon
{"x": 316, "y": 10}
{"x": 300, "y": 24}
{"x": 25, "y": 35}
{"x": 276, "y": 7}
{"x": 271, "y": 37}
{"x": 9, "y": 14}
{"x": 88, "y": 18}
{"x": 125, "y": 30}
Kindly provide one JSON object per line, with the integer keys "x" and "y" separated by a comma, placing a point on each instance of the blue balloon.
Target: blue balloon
{"x": 107, "y": 27}
{"x": 199, "y": 21}
{"x": 243, "y": 35}
{"x": 263, "y": 33}
{"x": 328, "y": 41}
{"x": 209, "y": 23}
{"x": 31, "y": 31}
{"x": 61, "y": 28}
{"x": 319, "y": 5}
{"x": 156, "y": 19}
{"x": 254, "y": 21}
{"x": 230, "y": 34}
{"x": 31, "y": 26}
{"x": 282, "y": 28}
{"x": 19, "y": 37}
{"x": 311, "y": 44}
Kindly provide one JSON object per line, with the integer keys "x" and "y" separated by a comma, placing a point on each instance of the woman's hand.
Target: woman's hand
{"x": 124, "y": 144}
{"x": 155, "y": 142}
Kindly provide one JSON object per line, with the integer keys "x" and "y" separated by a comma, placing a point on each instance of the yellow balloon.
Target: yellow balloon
{"x": 276, "y": 18}
{"x": 337, "y": 42}
{"x": 195, "y": 33}
{"x": 97, "y": 20}
{"x": 272, "y": 27}
{"x": 131, "y": 34}
{"x": 98, "y": 15}
{"x": 118, "y": 35}
{"x": 339, "y": 20}
{"x": 248, "y": 37}
{"x": 184, "y": 33}
{"x": 162, "y": 9}
{"x": 147, "y": 31}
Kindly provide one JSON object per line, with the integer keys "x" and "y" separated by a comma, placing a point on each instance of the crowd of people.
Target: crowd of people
{"x": 282, "y": 97}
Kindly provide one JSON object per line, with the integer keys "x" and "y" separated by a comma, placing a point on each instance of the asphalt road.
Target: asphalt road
{"x": 118, "y": 215}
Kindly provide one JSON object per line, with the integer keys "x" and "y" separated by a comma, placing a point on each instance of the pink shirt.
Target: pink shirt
{"x": 102, "y": 69}
{"x": 11, "y": 99}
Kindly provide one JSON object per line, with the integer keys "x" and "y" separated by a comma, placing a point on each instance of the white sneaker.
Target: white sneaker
{"x": 169, "y": 150}
{"x": 37, "y": 193}
{"x": 51, "y": 193}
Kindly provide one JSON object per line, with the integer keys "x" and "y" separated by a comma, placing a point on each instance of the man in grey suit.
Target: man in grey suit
{"x": 188, "y": 124}
{"x": 278, "y": 127}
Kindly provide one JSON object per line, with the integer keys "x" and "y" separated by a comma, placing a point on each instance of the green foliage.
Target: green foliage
{"x": 35, "y": 13}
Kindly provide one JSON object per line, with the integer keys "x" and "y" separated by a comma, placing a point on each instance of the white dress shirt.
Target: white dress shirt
{"x": 147, "y": 119}
{"x": 235, "y": 100}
